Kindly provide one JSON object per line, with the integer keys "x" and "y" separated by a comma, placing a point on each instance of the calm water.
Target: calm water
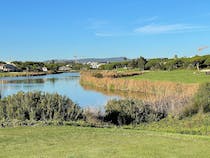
{"x": 65, "y": 84}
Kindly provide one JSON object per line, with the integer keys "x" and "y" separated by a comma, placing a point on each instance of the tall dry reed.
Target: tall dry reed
{"x": 172, "y": 95}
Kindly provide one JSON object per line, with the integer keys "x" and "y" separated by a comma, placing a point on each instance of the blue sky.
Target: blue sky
{"x": 61, "y": 29}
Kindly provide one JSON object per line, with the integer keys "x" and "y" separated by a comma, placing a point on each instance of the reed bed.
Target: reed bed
{"x": 170, "y": 95}
{"x": 17, "y": 74}
{"x": 142, "y": 86}
{"x": 20, "y": 74}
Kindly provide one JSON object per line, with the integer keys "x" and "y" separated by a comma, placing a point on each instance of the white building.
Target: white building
{"x": 44, "y": 69}
{"x": 8, "y": 68}
{"x": 94, "y": 65}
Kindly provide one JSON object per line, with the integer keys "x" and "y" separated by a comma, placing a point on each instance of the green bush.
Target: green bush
{"x": 98, "y": 75}
{"x": 38, "y": 106}
{"x": 124, "y": 112}
{"x": 200, "y": 102}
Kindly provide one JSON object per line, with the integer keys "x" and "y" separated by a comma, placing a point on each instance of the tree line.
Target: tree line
{"x": 142, "y": 63}
{"x": 31, "y": 66}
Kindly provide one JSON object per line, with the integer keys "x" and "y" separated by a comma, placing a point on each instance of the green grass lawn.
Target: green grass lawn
{"x": 70, "y": 142}
{"x": 197, "y": 124}
{"x": 183, "y": 76}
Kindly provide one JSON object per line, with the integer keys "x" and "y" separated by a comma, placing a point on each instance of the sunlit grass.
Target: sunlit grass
{"x": 182, "y": 76}
{"x": 197, "y": 124}
{"x": 67, "y": 141}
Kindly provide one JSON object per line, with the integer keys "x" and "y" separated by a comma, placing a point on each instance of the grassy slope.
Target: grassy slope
{"x": 183, "y": 76}
{"x": 197, "y": 124}
{"x": 85, "y": 142}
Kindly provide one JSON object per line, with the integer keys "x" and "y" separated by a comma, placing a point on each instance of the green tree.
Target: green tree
{"x": 141, "y": 63}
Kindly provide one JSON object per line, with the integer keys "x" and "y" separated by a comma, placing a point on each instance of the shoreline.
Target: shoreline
{"x": 23, "y": 74}
{"x": 137, "y": 86}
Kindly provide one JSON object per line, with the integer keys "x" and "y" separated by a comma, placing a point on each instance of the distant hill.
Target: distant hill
{"x": 85, "y": 60}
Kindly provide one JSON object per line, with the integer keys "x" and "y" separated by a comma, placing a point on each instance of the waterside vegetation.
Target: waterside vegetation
{"x": 127, "y": 128}
{"x": 19, "y": 74}
{"x": 155, "y": 92}
{"x": 30, "y": 108}
{"x": 26, "y": 108}
{"x": 174, "y": 103}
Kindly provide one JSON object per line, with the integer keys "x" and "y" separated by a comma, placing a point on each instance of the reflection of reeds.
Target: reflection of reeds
{"x": 156, "y": 92}
{"x": 123, "y": 94}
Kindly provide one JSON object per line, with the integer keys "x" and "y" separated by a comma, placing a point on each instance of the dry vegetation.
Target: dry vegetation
{"x": 143, "y": 86}
{"x": 20, "y": 74}
{"x": 168, "y": 94}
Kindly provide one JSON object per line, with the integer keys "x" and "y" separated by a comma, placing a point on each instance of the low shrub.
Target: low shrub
{"x": 93, "y": 116}
{"x": 98, "y": 75}
{"x": 200, "y": 102}
{"x": 124, "y": 112}
{"x": 38, "y": 106}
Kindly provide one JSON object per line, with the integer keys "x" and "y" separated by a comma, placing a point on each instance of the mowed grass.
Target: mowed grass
{"x": 84, "y": 142}
{"x": 181, "y": 76}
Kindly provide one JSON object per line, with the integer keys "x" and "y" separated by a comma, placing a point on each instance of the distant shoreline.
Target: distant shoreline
{"x": 22, "y": 74}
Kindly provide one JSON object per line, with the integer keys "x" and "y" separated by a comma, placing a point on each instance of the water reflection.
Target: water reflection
{"x": 125, "y": 94}
{"x": 65, "y": 84}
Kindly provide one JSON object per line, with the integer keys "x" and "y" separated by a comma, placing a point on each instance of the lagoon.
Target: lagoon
{"x": 64, "y": 84}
